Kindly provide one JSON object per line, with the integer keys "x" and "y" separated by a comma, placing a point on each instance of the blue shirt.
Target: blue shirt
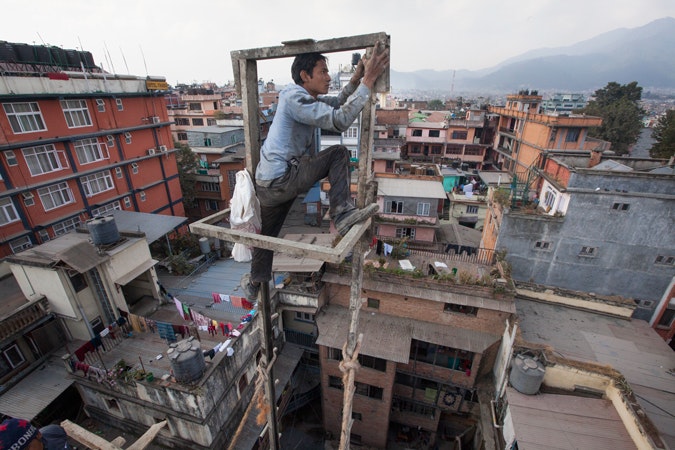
{"x": 298, "y": 116}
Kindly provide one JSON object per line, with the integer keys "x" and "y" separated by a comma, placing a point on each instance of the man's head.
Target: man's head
{"x": 18, "y": 434}
{"x": 310, "y": 71}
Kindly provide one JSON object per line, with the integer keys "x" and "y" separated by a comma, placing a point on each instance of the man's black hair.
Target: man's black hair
{"x": 306, "y": 62}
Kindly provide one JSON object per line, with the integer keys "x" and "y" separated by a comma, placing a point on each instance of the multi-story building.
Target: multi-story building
{"x": 586, "y": 229}
{"x": 190, "y": 108}
{"x": 78, "y": 144}
{"x": 563, "y": 103}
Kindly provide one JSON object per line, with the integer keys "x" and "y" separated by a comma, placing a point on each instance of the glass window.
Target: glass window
{"x": 14, "y": 356}
{"x": 105, "y": 209}
{"x": 434, "y": 133}
{"x": 405, "y": 232}
{"x": 8, "y": 213}
{"x": 66, "y": 226}
{"x": 44, "y": 159}
{"x": 96, "y": 183}
{"x": 120, "y": 105}
{"x": 11, "y": 158}
{"x": 198, "y": 122}
{"x": 24, "y": 117}
{"x": 417, "y": 133}
{"x": 90, "y": 150}
{"x": 423, "y": 209}
{"x": 100, "y": 105}
{"x": 55, "y": 195}
{"x": 394, "y": 207}
{"x": 459, "y": 135}
{"x": 20, "y": 244}
{"x": 76, "y": 112}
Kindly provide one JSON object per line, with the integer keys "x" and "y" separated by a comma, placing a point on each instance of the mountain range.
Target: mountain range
{"x": 645, "y": 54}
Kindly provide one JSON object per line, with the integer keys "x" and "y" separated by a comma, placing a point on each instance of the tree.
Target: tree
{"x": 436, "y": 105}
{"x": 187, "y": 166}
{"x": 664, "y": 133}
{"x": 619, "y": 107}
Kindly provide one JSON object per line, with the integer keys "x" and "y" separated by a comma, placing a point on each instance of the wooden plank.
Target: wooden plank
{"x": 335, "y": 254}
{"x": 343, "y": 44}
{"x": 147, "y": 437}
{"x": 249, "y": 82}
{"x": 86, "y": 437}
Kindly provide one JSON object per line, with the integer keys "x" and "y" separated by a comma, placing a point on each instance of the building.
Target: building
{"x": 79, "y": 144}
{"x": 663, "y": 319}
{"x": 190, "y": 108}
{"x": 563, "y": 103}
{"x": 588, "y": 229}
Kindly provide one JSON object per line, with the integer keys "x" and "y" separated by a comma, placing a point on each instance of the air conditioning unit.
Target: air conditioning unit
{"x": 162, "y": 148}
{"x": 151, "y": 151}
{"x": 155, "y": 119}
{"x": 28, "y": 198}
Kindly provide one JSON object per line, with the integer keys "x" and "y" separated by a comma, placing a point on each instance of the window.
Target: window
{"x": 357, "y": 416}
{"x": 100, "y": 105}
{"x": 90, "y": 150}
{"x": 472, "y": 209}
{"x": 572, "y": 134}
{"x": 393, "y": 207}
{"x": 351, "y": 132}
{"x": 434, "y": 133}
{"x": 55, "y": 195}
{"x": 103, "y": 210}
{"x": 460, "y": 135}
{"x": 666, "y": 260}
{"x": 405, "y": 232}
{"x": 118, "y": 172}
{"x": 76, "y": 112}
{"x": 461, "y": 309}
{"x": 304, "y": 317}
{"x": 335, "y": 382}
{"x": 127, "y": 137}
{"x": 11, "y": 158}
{"x": 134, "y": 168}
{"x": 66, "y": 226}
{"x": 549, "y": 198}
{"x": 211, "y": 205}
{"x": 120, "y": 105}
{"x": 96, "y": 183}
{"x": 667, "y": 318}
{"x": 44, "y": 159}
{"x": 439, "y": 355}
{"x": 211, "y": 122}
{"x": 13, "y": 356}
{"x": 417, "y": 133}
{"x": 20, "y": 244}
{"x": 127, "y": 202}
{"x": 373, "y": 303}
{"x": 368, "y": 391}
{"x": 207, "y": 142}
{"x": 373, "y": 363}
{"x": 78, "y": 280}
{"x": 195, "y": 106}
{"x": 198, "y": 122}
{"x": 436, "y": 149}
{"x": 409, "y": 406}
{"x": 112, "y": 404}
{"x": 588, "y": 251}
{"x": 24, "y": 117}
{"x": 8, "y": 213}
{"x": 110, "y": 141}
{"x": 142, "y": 195}
{"x": 621, "y": 206}
{"x": 181, "y": 136}
{"x": 44, "y": 236}
{"x": 542, "y": 245}
{"x": 423, "y": 209}
{"x": 182, "y": 121}
{"x": 28, "y": 198}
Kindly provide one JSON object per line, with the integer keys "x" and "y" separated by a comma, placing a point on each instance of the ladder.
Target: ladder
{"x": 244, "y": 64}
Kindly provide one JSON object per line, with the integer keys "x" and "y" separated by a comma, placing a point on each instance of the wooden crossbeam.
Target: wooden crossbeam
{"x": 334, "y": 255}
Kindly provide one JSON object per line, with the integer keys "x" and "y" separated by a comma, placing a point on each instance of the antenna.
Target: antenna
{"x": 125, "y": 61}
{"x": 144, "y": 64}
{"x": 109, "y": 57}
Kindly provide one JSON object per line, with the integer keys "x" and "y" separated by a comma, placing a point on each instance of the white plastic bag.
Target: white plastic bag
{"x": 244, "y": 213}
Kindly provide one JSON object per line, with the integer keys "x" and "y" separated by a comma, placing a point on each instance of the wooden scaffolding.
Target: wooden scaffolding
{"x": 244, "y": 63}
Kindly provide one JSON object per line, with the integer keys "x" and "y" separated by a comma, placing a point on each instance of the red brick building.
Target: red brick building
{"x": 76, "y": 144}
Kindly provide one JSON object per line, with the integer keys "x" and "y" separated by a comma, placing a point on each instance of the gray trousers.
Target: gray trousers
{"x": 277, "y": 198}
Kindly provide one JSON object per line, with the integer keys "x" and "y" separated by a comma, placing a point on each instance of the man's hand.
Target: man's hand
{"x": 358, "y": 73}
{"x": 375, "y": 64}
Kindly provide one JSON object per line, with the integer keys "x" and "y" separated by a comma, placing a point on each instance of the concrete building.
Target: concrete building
{"x": 191, "y": 108}
{"x": 663, "y": 319}
{"x": 589, "y": 230}
{"x": 78, "y": 144}
{"x": 563, "y": 103}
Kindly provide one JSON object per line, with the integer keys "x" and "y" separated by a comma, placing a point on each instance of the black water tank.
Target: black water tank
{"x": 187, "y": 360}
{"x": 24, "y": 53}
{"x": 103, "y": 230}
{"x": 88, "y": 60}
{"x": 7, "y": 52}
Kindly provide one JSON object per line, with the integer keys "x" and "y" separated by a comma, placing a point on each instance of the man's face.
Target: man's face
{"x": 319, "y": 82}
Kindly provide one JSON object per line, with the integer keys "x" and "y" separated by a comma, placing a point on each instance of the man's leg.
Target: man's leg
{"x": 272, "y": 219}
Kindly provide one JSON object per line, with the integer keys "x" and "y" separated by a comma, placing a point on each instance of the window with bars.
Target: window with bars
{"x": 96, "y": 183}
{"x": 182, "y": 121}
{"x": 8, "y": 212}
{"x": 76, "y": 113}
{"x": 462, "y": 135}
{"x": 198, "y": 122}
{"x": 472, "y": 209}
{"x": 66, "y": 226}
{"x": 55, "y": 196}
{"x": 90, "y": 150}
{"x": 44, "y": 159}
{"x": 24, "y": 117}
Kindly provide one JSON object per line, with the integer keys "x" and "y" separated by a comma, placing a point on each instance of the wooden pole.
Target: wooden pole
{"x": 268, "y": 355}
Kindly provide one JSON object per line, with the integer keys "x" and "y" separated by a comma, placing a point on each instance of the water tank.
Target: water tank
{"x": 526, "y": 374}
{"x": 187, "y": 360}
{"x": 103, "y": 230}
{"x": 204, "y": 245}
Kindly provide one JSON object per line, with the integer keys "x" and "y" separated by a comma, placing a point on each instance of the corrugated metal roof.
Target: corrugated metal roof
{"x": 36, "y": 391}
{"x": 287, "y": 263}
{"x": 550, "y": 421}
{"x": 153, "y": 225}
{"x": 404, "y": 187}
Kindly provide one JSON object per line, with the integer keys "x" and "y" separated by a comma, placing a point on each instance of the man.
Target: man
{"x": 18, "y": 434}
{"x": 290, "y": 163}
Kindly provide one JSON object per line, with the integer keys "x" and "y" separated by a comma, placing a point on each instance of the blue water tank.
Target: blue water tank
{"x": 103, "y": 230}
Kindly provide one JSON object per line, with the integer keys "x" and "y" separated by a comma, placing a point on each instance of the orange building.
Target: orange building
{"x": 79, "y": 144}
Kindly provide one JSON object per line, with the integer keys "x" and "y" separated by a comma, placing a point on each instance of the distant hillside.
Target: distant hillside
{"x": 645, "y": 54}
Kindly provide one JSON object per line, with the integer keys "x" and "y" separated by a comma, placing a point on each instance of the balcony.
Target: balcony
{"x": 23, "y": 317}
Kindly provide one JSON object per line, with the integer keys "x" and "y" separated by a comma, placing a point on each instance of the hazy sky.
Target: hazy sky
{"x": 191, "y": 40}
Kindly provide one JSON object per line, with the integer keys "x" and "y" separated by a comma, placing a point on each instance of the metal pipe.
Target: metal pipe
{"x": 494, "y": 418}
